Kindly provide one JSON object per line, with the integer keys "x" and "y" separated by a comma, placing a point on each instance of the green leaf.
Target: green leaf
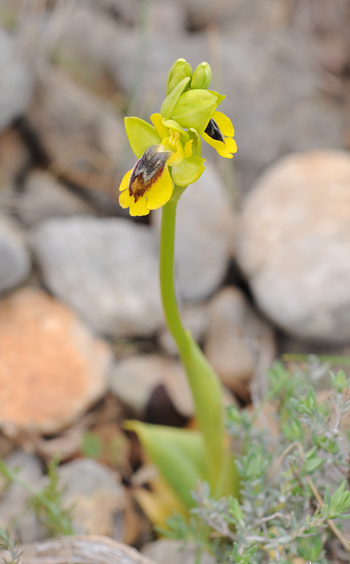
{"x": 339, "y": 381}
{"x": 339, "y": 502}
{"x": 179, "y": 455}
{"x": 91, "y": 445}
{"x": 171, "y": 100}
{"x": 141, "y": 135}
{"x": 207, "y": 394}
{"x": 194, "y": 109}
{"x": 188, "y": 171}
{"x": 310, "y": 548}
{"x": 218, "y": 97}
{"x": 236, "y": 511}
{"x": 313, "y": 464}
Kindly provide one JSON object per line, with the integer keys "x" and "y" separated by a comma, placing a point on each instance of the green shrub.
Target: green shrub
{"x": 294, "y": 481}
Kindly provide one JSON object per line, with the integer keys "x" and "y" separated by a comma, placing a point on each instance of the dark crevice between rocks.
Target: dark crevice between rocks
{"x": 235, "y": 277}
{"x": 160, "y": 409}
{"x": 101, "y": 202}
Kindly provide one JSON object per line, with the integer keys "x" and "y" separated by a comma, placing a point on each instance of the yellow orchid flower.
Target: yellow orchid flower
{"x": 193, "y": 107}
{"x": 149, "y": 184}
{"x": 219, "y": 134}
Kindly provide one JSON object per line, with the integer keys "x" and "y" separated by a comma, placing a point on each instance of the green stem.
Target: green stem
{"x": 204, "y": 383}
{"x": 166, "y": 273}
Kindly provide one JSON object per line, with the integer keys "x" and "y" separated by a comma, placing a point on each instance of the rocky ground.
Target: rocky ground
{"x": 262, "y": 244}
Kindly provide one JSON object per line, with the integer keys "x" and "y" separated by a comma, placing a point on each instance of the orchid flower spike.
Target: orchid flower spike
{"x": 169, "y": 151}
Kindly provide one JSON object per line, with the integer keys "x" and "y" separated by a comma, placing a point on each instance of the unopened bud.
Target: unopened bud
{"x": 202, "y": 76}
{"x": 180, "y": 69}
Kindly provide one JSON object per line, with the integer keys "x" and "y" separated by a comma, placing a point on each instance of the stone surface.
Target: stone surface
{"x": 93, "y": 52}
{"x": 14, "y": 158}
{"x": 295, "y": 243}
{"x": 134, "y": 379}
{"x": 16, "y": 84}
{"x": 238, "y": 344}
{"x": 80, "y": 548}
{"x": 14, "y": 256}
{"x": 231, "y": 17}
{"x": 204, "y": 240}
{"x": 13, "y": 504}
{"x": 166, "y": 551}
{"x": 80, "y": 132}
{"x": 95, "y": 494}
{"x": 195, "y": 318}
{"x": 51, "y": 368}
{"x": 43, "y": 197}
{"x": 106, "y": 269}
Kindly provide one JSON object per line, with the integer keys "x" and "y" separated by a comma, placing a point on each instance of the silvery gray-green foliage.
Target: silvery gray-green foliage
{"x": 8, "y": 543}
{"x": 46, "y": 503}
{"x": 293, "y": 485}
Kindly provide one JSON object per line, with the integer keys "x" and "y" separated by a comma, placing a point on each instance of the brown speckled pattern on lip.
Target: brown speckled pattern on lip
{"x": 147, "y": 170}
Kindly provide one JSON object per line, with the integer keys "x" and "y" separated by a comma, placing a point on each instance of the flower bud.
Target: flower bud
{"x": 202, "y": 76}
{"x": 180, "y": 69}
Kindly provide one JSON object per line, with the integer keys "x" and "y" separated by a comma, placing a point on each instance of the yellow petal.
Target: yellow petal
{"x": 161, "y": 191}
{"x": 125, "y": 182}
{"x": 157, "y": 121}
{"x": 139, "y": 207}
{"x": 125, "y": 200}
{"x": 224, "y": 124}
{"x": 225, "y": 154}
{"x": 218, "y": 145}
{"x": 188, "y": 149}
{"x": 177, "y": 156}
{"x": 231, "y": 145}
{"x": 128, "y": 201}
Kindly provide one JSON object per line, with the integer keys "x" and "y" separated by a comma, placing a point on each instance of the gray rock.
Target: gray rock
{"x": 231, "y": 17}
{"x": 239, "y": 344}
{"x": 14, "y": 159}
{"x": 94, "y": 52}
{"x": 43, "y": 197}
{"x": 294, "y": 245}
{"x": 81, "y": 548}
{"x": 14, "y": 513}
{"x": 195, "y": 317}
{"x": 167, "y": 17}
{"x": 148, "y": 69}
{"x": 16, "y": 84}
{"x": 106, "y": 269}
{"x": 204, "y": 236}
{"x": 81, "y": 133}
{"x": 166, "y": 551}
{"x": 133, "y": 380}
{"x": 14, "y": 257}
{"x": 95, "y": 494}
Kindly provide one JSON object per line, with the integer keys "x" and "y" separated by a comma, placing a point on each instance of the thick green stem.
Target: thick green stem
{"x": 204, "y": 383}
{"x": 166, "y": 273}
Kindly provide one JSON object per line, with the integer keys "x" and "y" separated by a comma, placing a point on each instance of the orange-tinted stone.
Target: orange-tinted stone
{"x": 51, "y": 368}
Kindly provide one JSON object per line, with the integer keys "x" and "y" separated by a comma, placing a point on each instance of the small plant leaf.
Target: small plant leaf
{"x": 178, "y": 454}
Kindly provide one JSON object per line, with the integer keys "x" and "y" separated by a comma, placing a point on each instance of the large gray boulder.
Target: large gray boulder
{"x": 16, "y": 84}
{"x": 294, "y": 245}
{"x": 106, "y": 269}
